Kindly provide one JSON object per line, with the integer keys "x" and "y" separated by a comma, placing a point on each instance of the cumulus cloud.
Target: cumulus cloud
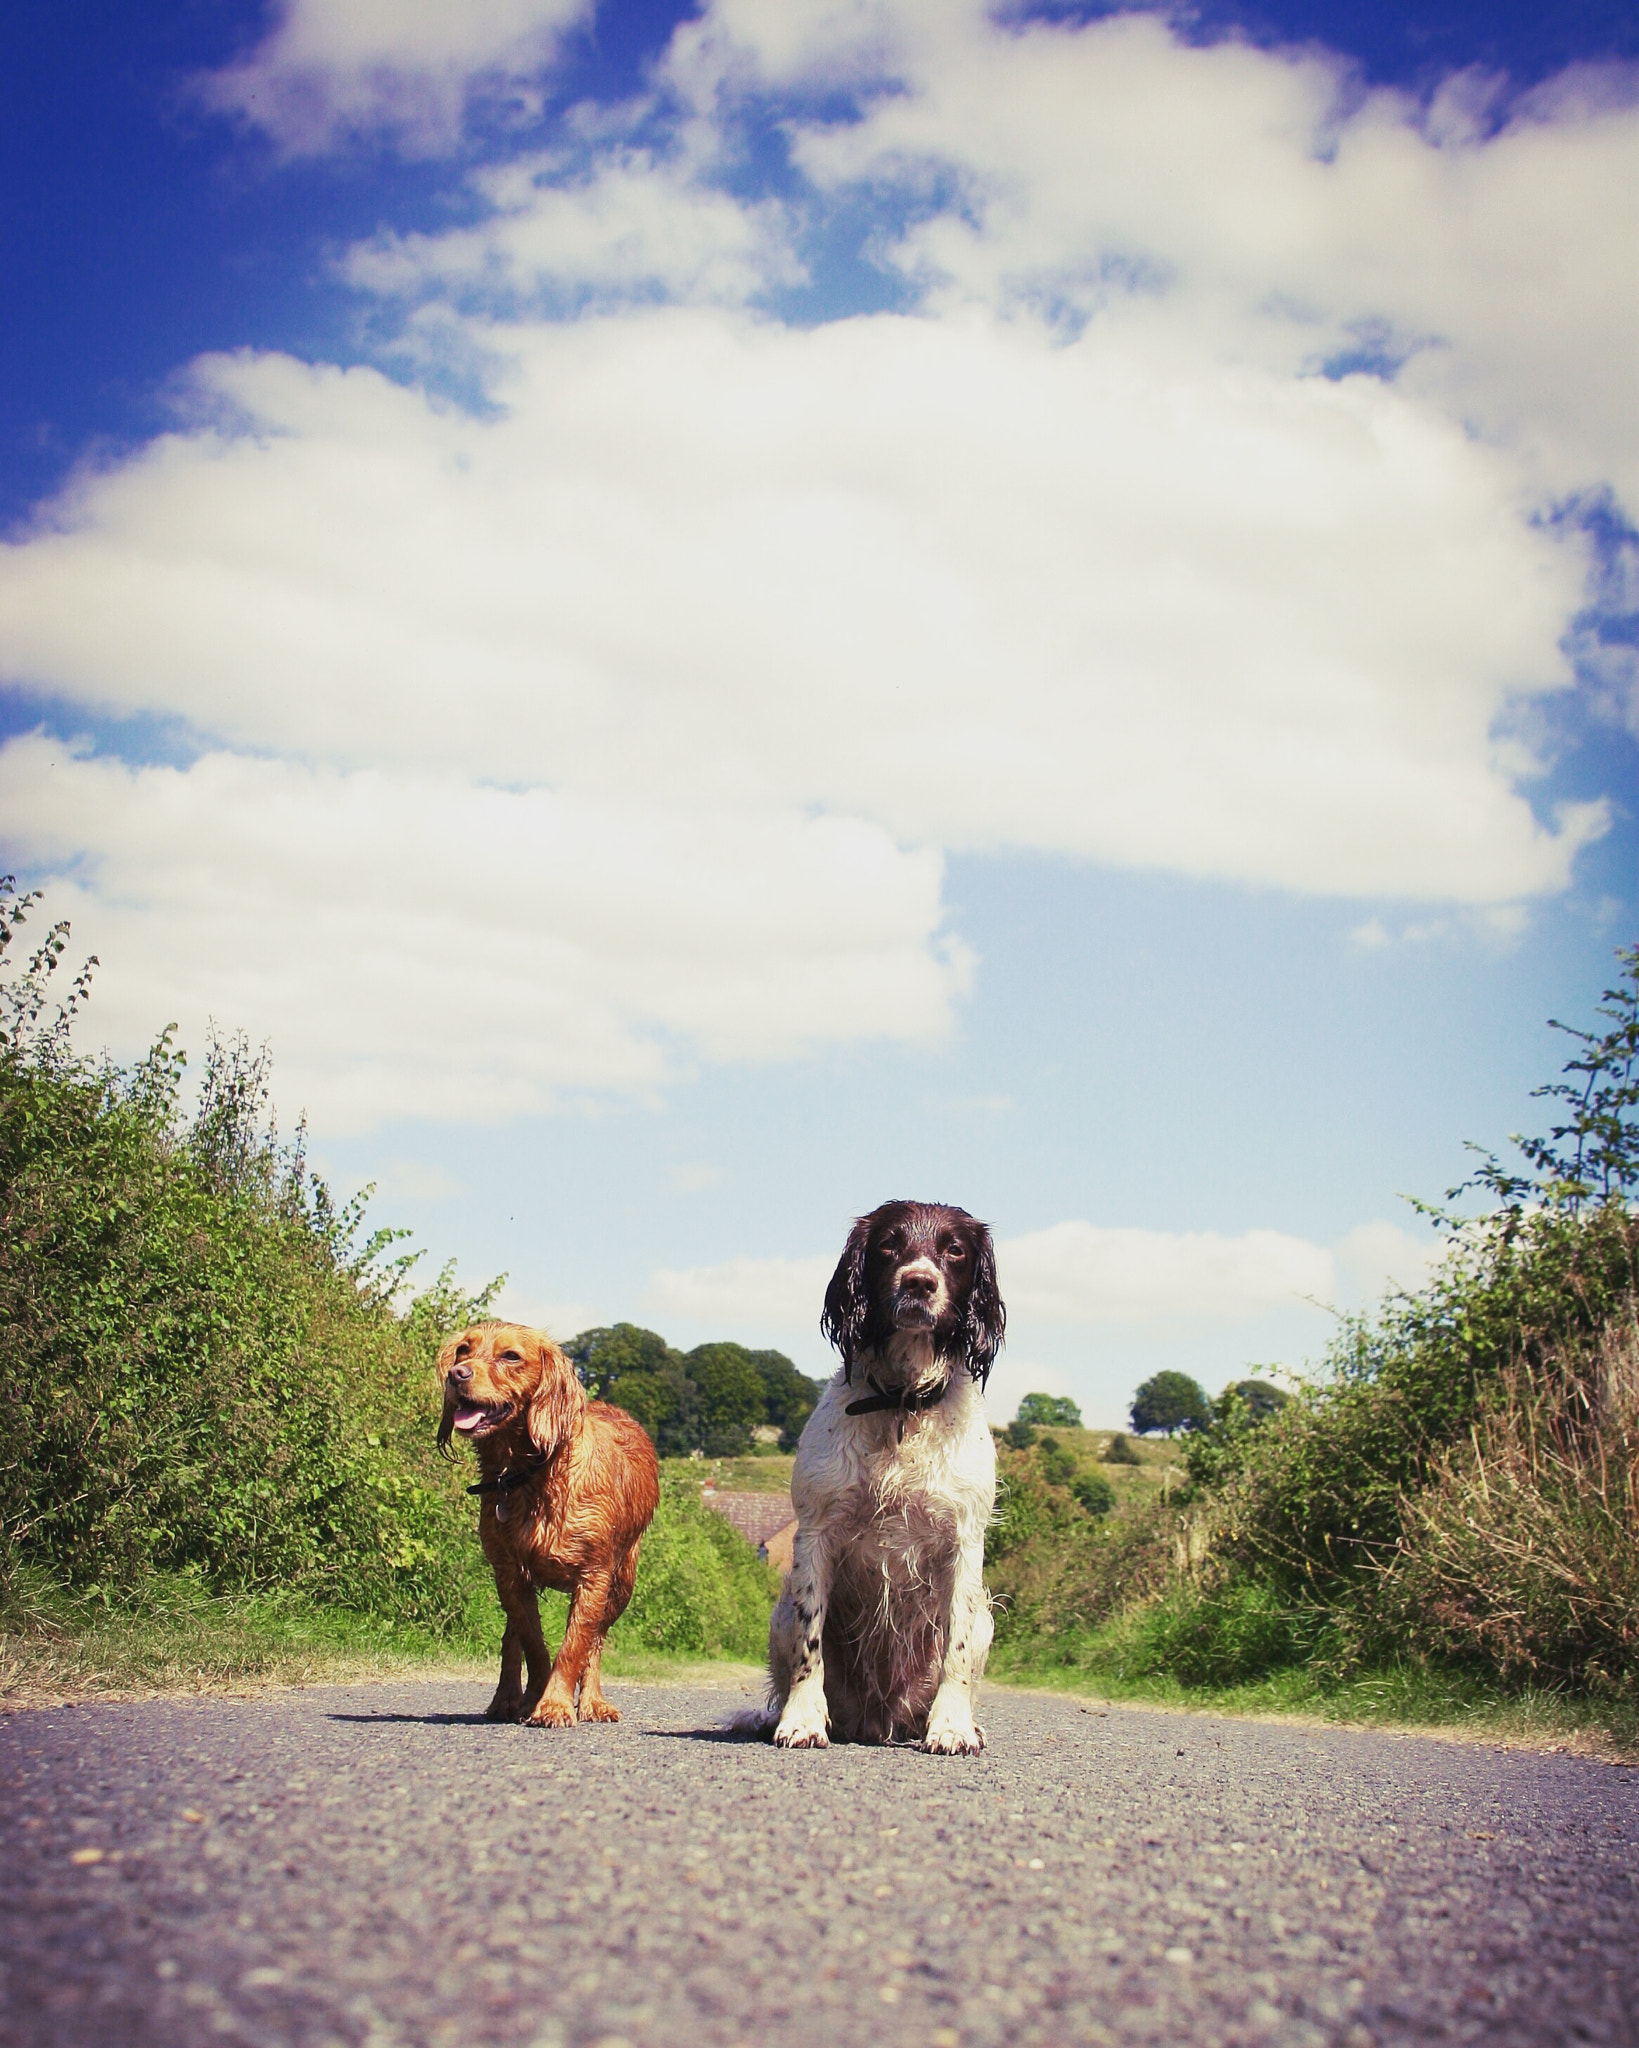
{"x": 1258, "y": 194}
{"x": 1077, "y": 552}
{"x": 1081, "y": 1273}
{"x": 417, "y": 944}
{"x": 1378, "y": 1258}
{"x": 980, "y": 588}
{"x": 744, "y": 1294}
{"x": 629, "y": 223}
{"x": 330, "y": 71}
{"x": 1069, "y": 1273}
{"x": 1089, "y": 1275}
{"x": 562, "y": 1319}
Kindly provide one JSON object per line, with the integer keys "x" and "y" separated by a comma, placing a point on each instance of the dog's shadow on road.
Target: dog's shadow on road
{"x": 702, "y": 1735}
{"x": 483, "y": 1721}
{"x": 479, "y": 1720}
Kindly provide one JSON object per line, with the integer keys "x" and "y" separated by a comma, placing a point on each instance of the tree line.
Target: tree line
{"x": 713, "y": 1399}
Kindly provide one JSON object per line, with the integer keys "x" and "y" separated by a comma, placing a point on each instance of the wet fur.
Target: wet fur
{"x": 575, "y": 1524}
{"x": 883, "y": 1629}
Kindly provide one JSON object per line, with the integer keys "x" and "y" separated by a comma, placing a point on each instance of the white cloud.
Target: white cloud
{"x": 630, "y": 224}
{"x": 560, "y": 1319}
{"x": 1378, "y": 1257}
{"x": 330, "y": 71}
{"x": 415, "y": 944}
{"x": 985, "y": 590}
{"x": 1081, "y": 1273}
{"x": 1087, "y": 1275}
{"x": 1253, "y": 192}
{"x": 743, "y": 1294}
{"x": 1079, "y": 555}
{"x": 416, "y": 1180}
{"x": 1012, "y": 1378}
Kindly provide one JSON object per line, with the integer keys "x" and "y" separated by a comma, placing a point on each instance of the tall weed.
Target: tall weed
{"x": 1522, "y": 1553}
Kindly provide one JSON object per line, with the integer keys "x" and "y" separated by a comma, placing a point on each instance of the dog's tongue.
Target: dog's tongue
{"x": 468, "y": 1418}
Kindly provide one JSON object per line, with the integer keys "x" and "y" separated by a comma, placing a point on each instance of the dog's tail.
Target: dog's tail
{"x": 756, "y": 1723}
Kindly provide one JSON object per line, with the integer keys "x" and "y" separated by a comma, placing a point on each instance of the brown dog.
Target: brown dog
{"x": 568, "y": 1487}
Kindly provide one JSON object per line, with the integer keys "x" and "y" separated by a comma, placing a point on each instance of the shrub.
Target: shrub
{"x": 1058, "y": 1465}
{"x": 205, "y": 1371}
{"x": 1019, "y": 1434}
{"x": 1222, "y": 1635}
{"x": 1118, "y": 1451}
{"x": 1463, "y": 1480}
{"x": 210, "y": 1389}
{"x": 701, "y": 1589}
{"x": 1094, "y": 1492}
{"x": 1315, "y": 1495}
{"x": 1056, "y": 1571}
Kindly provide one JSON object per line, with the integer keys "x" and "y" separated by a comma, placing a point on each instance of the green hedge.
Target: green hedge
{"x": 207, "y": 1378}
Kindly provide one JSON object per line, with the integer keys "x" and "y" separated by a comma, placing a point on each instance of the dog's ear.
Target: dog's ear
{"x": 984, "y": 1323}
{"x": 446, "y": 1420}
{"x": 559, "y": 1399}
{"x": 848, "y": 1299}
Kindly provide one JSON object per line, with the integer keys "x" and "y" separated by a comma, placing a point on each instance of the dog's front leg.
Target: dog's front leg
{"x": 522, "y": 1643}
{"x": 587, "y": 1605}
{"x": 951, "y": 1730}
{"x": 794, "y": 1654}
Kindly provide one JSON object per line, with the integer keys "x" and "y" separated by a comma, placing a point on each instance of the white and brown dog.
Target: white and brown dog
{"x": 882, "y": 1631}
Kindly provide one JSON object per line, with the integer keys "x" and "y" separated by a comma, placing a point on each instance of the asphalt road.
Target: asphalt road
{"x": 377, "y": 1867}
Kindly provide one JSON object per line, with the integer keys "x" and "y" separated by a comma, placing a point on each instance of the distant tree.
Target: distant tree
{"x": 601, "y": 1355}
{"x": 1050, "y": 1411}
{"x": 710, "y": 1399}
{"x": 1262, "y": 1400}
{"x": 1094, "y": 1492}
{"x": 732, "y": 1398}
{"x": 1119, "y": 1451}
{"x": 640, "y": 1372}
{"x": 1019, "y": 1434}
{"x": 789, "y": 1396}
{"x": 1168, "y": 1402}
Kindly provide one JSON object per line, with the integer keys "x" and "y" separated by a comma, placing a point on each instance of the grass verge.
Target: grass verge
{"x": 1414, "y": 1697}
{"x": 57, "y": 1646}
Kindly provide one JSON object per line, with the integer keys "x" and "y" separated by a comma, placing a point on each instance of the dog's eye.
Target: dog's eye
{"x": 461, "y": 1350}
{"x": 513, "y": 1357}
{"x": 956, "y": 1252}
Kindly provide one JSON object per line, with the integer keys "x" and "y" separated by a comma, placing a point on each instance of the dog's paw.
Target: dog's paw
{"x": 598, "y": 1710}
{"x": 506, "y": 1706}
{"x": 552, "y": 1713}
{"x": 797, "y": 1732}
{"x": 953, "y": 1738}
{"x": 756, "y": 1724}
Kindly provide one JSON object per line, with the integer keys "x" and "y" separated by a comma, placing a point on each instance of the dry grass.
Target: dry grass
{"x": 1525, "y": 1549}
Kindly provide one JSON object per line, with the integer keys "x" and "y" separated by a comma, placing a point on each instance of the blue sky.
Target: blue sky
{"x": 705, "y": 617}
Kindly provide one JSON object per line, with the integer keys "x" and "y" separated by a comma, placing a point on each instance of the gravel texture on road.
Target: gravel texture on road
{"x": 376, "y": 1866}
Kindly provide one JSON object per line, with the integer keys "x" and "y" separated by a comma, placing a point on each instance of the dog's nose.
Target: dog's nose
{"x": 461, "y": 1374}
{"x": 918, "y": 1281}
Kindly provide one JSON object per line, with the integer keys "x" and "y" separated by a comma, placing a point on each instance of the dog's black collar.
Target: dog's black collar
{"x": 509, "y": 1481}
{"x": 902, "y": 1400}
